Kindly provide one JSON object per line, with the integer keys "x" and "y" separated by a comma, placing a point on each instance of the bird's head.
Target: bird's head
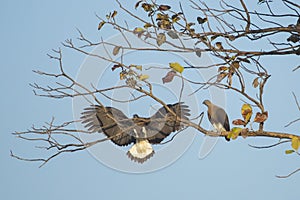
{"x": 207, "y": 102}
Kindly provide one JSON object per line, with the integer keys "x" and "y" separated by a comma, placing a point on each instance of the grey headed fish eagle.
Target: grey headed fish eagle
{"x": 142, "y": 132}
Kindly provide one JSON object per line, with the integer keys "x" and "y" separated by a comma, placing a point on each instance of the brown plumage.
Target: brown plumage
{"x": 217, "y": 117}
{"x": 143, "y": 132}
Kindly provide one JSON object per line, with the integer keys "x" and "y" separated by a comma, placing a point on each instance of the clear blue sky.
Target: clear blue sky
{"x": 29, "y": 30}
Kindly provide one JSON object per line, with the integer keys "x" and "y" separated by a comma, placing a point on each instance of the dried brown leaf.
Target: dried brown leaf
{"x": 255, "y": 82}
{"x": 219, "y": 45}
{"x": 222, "y": 68}
{"x": 235, "y": 64}
{"x": 100, "y": 25}
{"x": 116, "y": 50}
{"x": 198, "y": 52}
{"x": 161, "y": 38}
{"x": 114, "y": 14}
{"x": 244, "y": 132}
{"x": 172, "y": 34}
{"x": 169, "y": 77}
{"x": 221, "y": 76}
{"x": 115, "y": 67}
{"x": 239, "y": 122}
{"x": 261, "y": 117}
{"x": 164, "y": 7}
{"x": 147, "y": 7}
{"x": 137, "y": 4}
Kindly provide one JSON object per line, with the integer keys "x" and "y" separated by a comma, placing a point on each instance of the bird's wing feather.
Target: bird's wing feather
{"x": 218, "y": 115}
{"x": 111, "y": 121}
{"x": 163, "y": 122}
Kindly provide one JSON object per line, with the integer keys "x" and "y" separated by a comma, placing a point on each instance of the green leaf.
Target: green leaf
{"x": 246, "y": 112}
{"x": 176, "y": 66}
{"x": 235, "y": 131}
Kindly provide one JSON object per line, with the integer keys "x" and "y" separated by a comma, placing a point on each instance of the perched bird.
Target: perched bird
{"x": 217, "y": 117}
{"x": 142, "y": 132}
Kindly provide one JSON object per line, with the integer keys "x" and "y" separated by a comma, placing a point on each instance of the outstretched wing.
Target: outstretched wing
{"x": 111, "y": 121}
{"x": 163, "y": 122}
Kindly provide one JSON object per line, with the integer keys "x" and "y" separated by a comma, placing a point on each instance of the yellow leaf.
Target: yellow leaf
{"x": 289, "y": 151}
{"x": 143, "y": 77}
{"x": 246, "y": 112}
{"x": 229, "y": 136}
{"x": 176, "y": 66}
{"x": 295, "y": 143}
{"x": 147, "y": 25}
{"x": 139, "y": 67}
{"x": 138, "y": 30}
{"x": 235, "y": 131}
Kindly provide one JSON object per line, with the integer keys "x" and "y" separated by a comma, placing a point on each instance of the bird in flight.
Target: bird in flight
{"x": 217, "y": 117}
{"x": 142, "y": 132}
